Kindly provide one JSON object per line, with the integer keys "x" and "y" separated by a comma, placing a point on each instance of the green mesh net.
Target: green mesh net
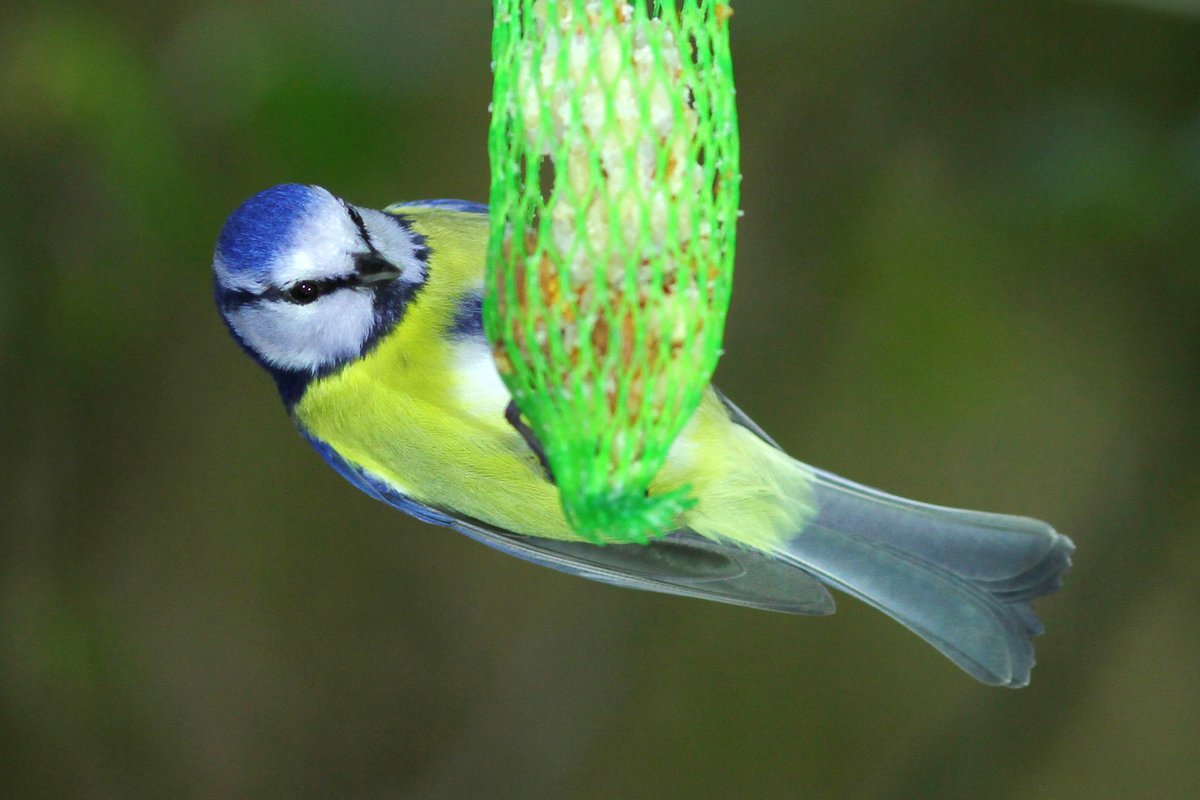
{"x": 614, "y": 201}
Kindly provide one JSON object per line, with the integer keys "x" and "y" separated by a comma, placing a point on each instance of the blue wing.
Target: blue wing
{"x": 681, "y": 563}
{"x": 454, "y": 205}
{"x": 376, "y": 488}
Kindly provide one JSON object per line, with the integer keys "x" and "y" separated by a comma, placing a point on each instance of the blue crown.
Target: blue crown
{"x": 261, "y": 227}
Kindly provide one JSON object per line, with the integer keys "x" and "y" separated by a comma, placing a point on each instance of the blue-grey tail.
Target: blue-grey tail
{"x": 962, "y": 580}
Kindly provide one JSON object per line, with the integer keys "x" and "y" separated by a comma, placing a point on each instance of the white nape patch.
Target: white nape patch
{"x": 306, "y": 337}
{"x": 479, "y": 389}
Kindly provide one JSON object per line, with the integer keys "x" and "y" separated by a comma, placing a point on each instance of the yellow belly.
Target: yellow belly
{"x": 444, "y": 443}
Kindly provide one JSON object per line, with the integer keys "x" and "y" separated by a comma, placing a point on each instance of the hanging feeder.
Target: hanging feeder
{"x": 614, "y": 201}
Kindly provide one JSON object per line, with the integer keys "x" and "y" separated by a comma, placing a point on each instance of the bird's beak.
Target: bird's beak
{"x": 373, "y": 268}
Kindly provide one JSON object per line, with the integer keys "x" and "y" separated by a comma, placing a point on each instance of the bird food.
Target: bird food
{"x": 614, "y": 202}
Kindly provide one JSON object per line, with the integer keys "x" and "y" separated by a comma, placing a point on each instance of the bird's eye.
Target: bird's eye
{"x": 304, "y": 292}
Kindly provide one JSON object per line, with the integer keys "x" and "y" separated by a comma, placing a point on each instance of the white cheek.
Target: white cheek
{"x": 291, "y": 336}
{"x": 480, "y": 391}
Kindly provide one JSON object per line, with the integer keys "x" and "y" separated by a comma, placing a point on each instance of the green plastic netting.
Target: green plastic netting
{"x": 614, "y": 201}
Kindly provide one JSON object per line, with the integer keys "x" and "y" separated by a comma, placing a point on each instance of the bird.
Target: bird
{"x": 370, "y": 323}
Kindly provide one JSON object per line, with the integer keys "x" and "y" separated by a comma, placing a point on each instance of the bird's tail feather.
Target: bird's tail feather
{"x": 962, "y": 580}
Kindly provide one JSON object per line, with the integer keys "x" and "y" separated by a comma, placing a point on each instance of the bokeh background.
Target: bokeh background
{"x": 968, "y": 273}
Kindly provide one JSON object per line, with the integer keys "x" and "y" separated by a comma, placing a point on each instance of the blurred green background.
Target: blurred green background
{"x": 968, "y": 274}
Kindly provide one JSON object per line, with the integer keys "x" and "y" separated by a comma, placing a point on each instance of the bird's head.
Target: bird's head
{"x": 307, "y": 282}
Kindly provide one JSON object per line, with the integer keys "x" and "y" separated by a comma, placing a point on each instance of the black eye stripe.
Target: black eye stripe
{"x": 320, "y": 288}
{"x": 323, "y": 287}
{"x": 237, "y": 298}
{"x": 305, "y": 292}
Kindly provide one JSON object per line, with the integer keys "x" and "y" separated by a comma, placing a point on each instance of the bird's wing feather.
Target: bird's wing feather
{"x": 681, "y": 563}
{"x": 739, "y": 417}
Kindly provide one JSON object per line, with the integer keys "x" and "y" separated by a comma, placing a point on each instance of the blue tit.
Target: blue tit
{"x": 370, "y": 323}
